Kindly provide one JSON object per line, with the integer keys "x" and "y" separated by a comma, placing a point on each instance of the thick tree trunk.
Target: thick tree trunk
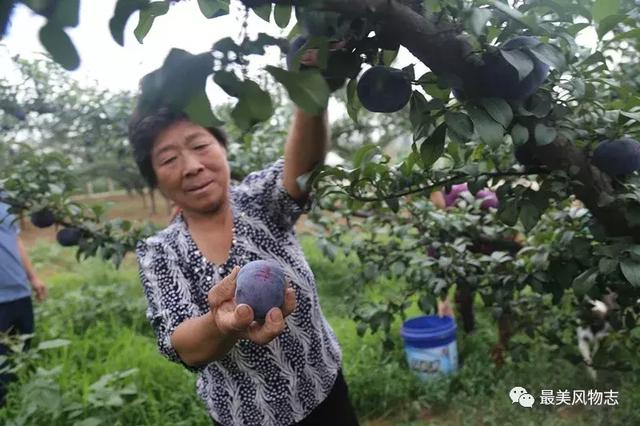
{"x": 110, "y": 185}
{"x": 464, "y": 301}
{"x": 504, "y": 335}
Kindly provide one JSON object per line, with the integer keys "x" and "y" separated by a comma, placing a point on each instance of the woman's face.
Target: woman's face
{"x": 191, "y": 167}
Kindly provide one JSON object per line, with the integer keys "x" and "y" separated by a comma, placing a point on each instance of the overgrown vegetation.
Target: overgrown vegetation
{"x": 94, "y": 362}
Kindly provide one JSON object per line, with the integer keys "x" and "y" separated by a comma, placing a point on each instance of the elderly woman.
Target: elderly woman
{"x": 286, "y": 370}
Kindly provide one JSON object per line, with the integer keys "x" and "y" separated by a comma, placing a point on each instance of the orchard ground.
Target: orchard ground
{"x": 99, "y": 312}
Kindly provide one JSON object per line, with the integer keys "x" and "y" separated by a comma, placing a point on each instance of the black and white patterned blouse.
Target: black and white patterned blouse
{"x": 276, "y": 384}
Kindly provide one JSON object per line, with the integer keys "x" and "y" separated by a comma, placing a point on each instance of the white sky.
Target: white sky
{"x": 117, "y": 67}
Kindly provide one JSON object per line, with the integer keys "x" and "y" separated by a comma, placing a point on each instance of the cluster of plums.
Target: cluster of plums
{"x": 615, "y": 157}
{"x": 497, "y": 78}
{"x": 66, "y": 237}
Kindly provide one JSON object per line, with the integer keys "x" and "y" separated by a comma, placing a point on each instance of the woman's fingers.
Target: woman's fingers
{"x": 264, "y": 333}
{"x": 290, "y": 302}
{"x": 233, "y": 320}
{"x": 224, "y": 290}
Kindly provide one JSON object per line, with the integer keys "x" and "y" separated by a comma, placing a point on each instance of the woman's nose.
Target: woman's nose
{"x": 192, "y": 165}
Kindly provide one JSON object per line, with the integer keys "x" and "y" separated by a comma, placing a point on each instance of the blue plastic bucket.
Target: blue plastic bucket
{"x": 430, "y": 345}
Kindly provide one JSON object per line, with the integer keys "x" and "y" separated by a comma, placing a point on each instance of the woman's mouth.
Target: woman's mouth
{"x": 200, "y": 189}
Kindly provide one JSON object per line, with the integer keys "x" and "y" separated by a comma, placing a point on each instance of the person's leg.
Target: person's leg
{"x": 7, "y": 325}
{"x": 24, "y": 318}
{"x": 335, "y": 410}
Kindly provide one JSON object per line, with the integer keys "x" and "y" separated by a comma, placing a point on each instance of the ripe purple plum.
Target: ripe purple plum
{"x": 261, "y": 284}
{"x": 43, "y": 218}
{"x": 617, "y": 157}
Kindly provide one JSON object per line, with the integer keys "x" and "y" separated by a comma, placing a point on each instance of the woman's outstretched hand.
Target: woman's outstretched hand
{"x": 237, "y": 321}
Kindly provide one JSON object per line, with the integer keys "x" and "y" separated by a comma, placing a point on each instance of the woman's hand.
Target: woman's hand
{"x": 236, "y": 321}
{"x": 445, "y": 309}
{"x": 39, "y": 288}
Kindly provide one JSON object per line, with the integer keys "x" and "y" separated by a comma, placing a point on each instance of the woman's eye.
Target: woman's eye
{"x": 169, "y": 161}
{"x": 201, "y": 147}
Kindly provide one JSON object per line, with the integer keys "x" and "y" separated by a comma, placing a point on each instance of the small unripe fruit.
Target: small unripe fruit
{"x": 261, "y": 284}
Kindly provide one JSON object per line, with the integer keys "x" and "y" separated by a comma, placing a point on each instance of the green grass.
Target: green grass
{"x": 110, "y": 372}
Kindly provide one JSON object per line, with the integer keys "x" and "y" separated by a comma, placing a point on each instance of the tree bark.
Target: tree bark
{"x": 464, "y": 300}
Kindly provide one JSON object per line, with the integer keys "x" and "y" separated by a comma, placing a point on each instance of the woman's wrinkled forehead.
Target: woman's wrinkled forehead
{"x": 178, "y": 134}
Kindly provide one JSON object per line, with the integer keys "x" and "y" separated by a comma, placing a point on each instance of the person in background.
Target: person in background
{"x": 16, "y": 272}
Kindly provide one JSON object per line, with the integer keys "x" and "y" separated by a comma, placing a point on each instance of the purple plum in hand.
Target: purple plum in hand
{"x": 261, "y": 284}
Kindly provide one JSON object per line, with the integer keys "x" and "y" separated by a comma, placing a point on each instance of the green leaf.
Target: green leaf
{"x": 550, "y": 55}
{"x": 433, "y": 147}
{"x": 213, "y": 8}
{"x": 519, "y": 134}
{"x": 499, "y": 110}
{"x": 366, "y": 152}
{"x": 609, "y": 23}
{"x": 631, "y": 271}
{"x": 254, "y": 103}
{"x": 585, "y": 281}
{"x": 393, "y": 204}
{"x": 544, "y": 135}
{"x": 124, "y": 9}
{"x": 460, "y": 124}
{"x": 307, "y": 89}
{"x": 478, "y": 20}
{"x": 508, "y": 212}
{"x": 199, "y": 111}
{"x": 576, "y": 28}
{"x": 520, "y": 61}
{"x": 53, "y": 344}
{"x": 229, "y": 82}
{"x": 434, "y": 87}
{"x": 539, "y": 104}
{"x": 607, "y": 266}
{"x": 596, "y": 58}
{"x": 147, "y": 16}
{"x": 529, "y": 215}
{"x": 353, "y": 102}
{"x": 263, "y": 11}
{"x": 282, "y": 14}
{"x": 417, "y": 109}
{"x": 490, "y": 131}
{"x": 388, "y": 56}
{"x": 168, "y": 85}
{"x": 508, "y": 10}
{"x": 60, "y": 46}
{"x": 603, "y": 8}
{"x": 67, "y": 13}
{"x": 631, "y": 34}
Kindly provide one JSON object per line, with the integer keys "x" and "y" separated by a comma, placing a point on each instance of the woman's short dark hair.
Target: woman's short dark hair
{"x": 145, "y": 128}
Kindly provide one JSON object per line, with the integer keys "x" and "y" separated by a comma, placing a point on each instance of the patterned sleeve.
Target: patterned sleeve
{"x": 167, "y": 303}
{"x": 264, "y": 190}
